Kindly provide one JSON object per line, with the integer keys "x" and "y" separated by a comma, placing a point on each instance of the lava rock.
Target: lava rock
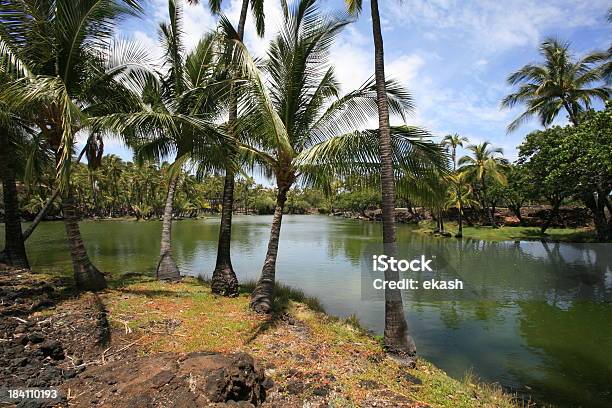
{"x": 70, "y": 373}
{"x": 36, "y": 338}
{"x": 321, "y": 391}
{"x": 20, "y": 362}
{"x": 53, "y": 349}
{"x": 236, "y": 379}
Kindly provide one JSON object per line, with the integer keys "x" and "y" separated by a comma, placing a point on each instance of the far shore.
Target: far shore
{"x": 427, "y": 227}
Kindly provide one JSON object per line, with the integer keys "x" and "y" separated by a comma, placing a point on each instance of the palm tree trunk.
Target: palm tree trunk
{"x": 486, "y": 207}
{"x": 14, "y": 250}
{"x": 94, "y": 194}
{"x": 166, "y": 267}
{"x": 459, "y": 233}
{"x": 263, "y": 294}
{"x": 86, "y": 275}
{"x": 396, "y": 336}
{"x": 571, "y": 112}
{"x": 224, "y": 281}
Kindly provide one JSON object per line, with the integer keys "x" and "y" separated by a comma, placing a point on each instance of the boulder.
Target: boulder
{"x": 233, "y": 377}
{"x": 171, "y": 379}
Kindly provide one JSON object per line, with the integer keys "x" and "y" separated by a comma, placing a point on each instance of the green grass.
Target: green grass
{"x": 505, "y": 233}
{"x": 283, "y": 294}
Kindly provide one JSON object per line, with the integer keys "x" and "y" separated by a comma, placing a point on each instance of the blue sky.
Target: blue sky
{"x": 453, "y": 55}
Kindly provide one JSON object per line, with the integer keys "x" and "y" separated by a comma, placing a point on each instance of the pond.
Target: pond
{"x": 538, "y": 320}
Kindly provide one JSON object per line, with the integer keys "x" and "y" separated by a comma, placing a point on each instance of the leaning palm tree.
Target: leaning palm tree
{"x": 452, "y": 142}
{"x": 559, "y": 82}
{"x": 396, "y": 332}
{"x": 68, "y": 70}
{"x": 224, "y": 281}
{"x": 486, "y": 164}
{"x": 301, "y": 126}
{"x": 177, "y": 118}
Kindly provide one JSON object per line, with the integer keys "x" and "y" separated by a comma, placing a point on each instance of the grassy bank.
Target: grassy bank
{"x": 505, "y": 233}
{"x": 301, "y": 348}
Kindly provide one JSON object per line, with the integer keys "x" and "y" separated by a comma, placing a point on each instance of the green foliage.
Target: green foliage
{"x": 518, "y": 190}
{"x": 574, "y": 161}
{"x": 584, "y": 154}
{"x": 264, "y": 205}
{"x": 359, "y": 200}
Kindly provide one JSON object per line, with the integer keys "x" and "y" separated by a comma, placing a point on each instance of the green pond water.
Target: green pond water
{"x": 534, "y": 317}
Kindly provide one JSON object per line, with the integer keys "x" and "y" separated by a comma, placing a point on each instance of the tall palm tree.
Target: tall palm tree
{"x": 177, "y": 118}
{"x": 68, "y": 70}
{"x": 460, "y": 196}
{"x": 561, "y": 81}
{"x": 487, "y": 163}
{"x": 396, "y": 334}
{"x": 297, "y": 121}
{"x": 452, "y": 142}
{"x": 224, "y": 281}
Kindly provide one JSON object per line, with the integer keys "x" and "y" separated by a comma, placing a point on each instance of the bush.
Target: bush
{"x": 297, "y": 207}
{"x": 264, "y": 205}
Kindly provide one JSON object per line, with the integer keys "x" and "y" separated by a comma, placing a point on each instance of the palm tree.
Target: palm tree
{"x": 487, "y": 163}
{"x": 113, "y": 170}
{"x": 560, "y": 81}
{"x": 297, "y": 122}
{"x": 452, "y": 142}
{"x": 460, "y": 196}
{"x": 224, "y": 281}
{"x": 67, "y": 71}
{"x": 396, "y": 329}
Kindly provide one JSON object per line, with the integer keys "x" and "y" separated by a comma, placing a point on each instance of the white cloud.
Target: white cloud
{"x": 352, "y": 63}
{"x": 404, "y": 68}
{"x": 494, "y": 26}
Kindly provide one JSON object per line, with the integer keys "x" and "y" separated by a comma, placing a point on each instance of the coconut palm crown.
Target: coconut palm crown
{"x": 560, "y": 82}
{"x": 452, "y": 142}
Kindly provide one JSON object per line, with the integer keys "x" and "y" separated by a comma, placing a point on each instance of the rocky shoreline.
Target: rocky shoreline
{"x": 531, "y": 216}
